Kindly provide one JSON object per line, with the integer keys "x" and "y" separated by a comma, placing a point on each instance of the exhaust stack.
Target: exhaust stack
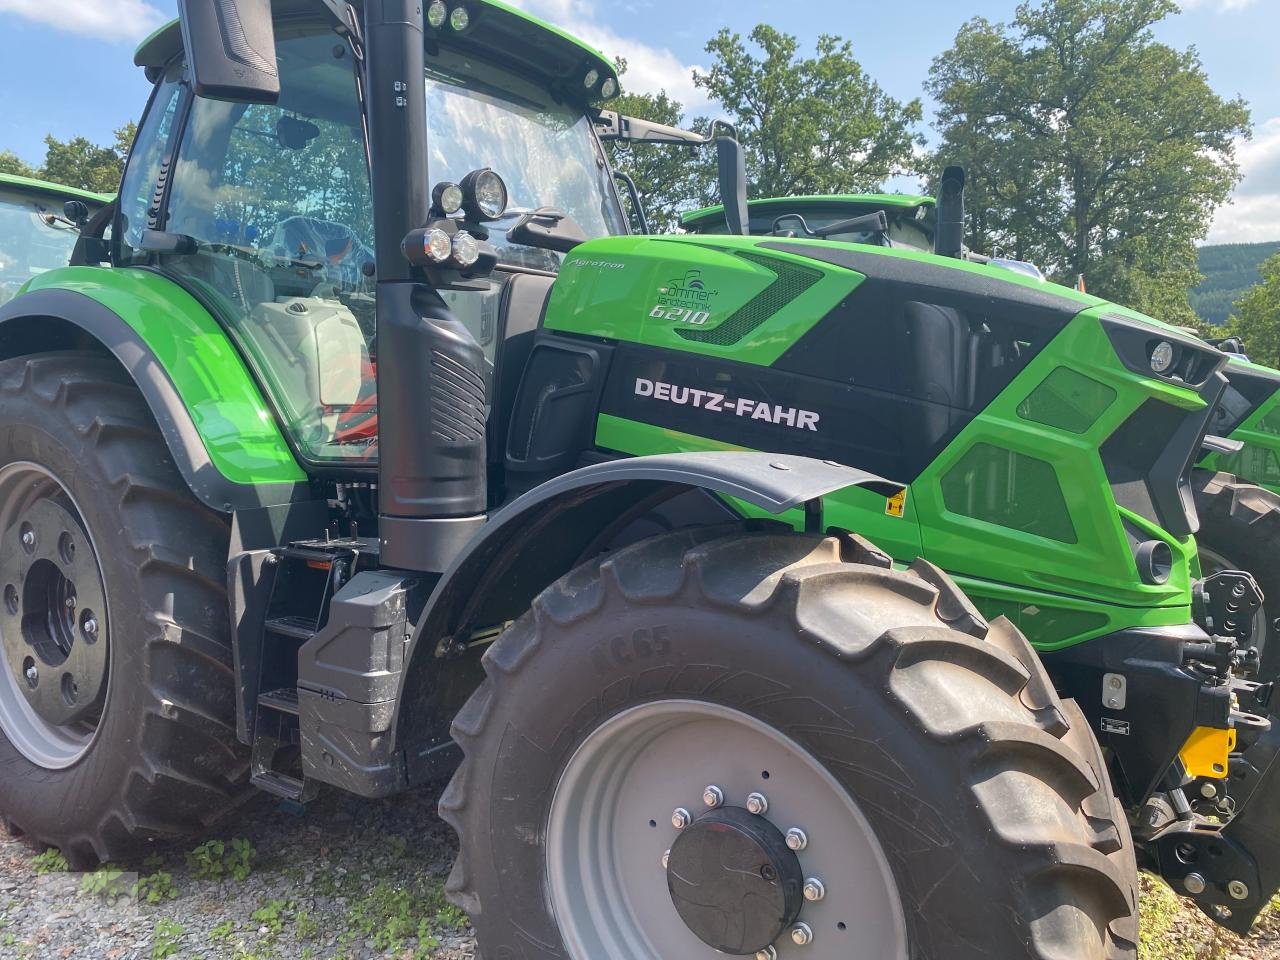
{"x": 948, "y": 235}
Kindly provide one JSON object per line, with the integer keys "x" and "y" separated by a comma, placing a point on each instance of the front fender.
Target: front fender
{"x": 215, "y": 421}
{"x": 532, "y": 542}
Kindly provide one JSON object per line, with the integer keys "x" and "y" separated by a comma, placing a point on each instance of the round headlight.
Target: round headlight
{"x": 466, "y": 249}
{"x": 486, "y": 195}
{"x": 1162, "y": 356}
{"x": 438, "y": 245}
{"x": 591, "y": 79}
{"x": 447, "y": 198}
{"x": 610, "y": 89}
{"x": 437, "y": 14}
{"x": 460, "y": 19}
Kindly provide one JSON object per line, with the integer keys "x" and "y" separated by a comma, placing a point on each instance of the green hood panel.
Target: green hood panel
{"x": 233, "y": 420}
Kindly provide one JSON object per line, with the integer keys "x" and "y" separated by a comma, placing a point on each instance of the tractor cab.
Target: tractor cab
{"x": 267, "y": 215}
{"x": 36, "y": 234}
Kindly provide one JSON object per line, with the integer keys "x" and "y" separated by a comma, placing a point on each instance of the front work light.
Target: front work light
{"x": 437, "y": 14}
{"x": 438, "y": 245}
{"x": 466, "y": 249}
{"x": 609, "y": 89}
{"x": 460, "y": 19}
{"x": 485, "y": 195}
{"x": 447, "y": 198}
{"x": 591, "y": 79}
{"x": 1162, "y": 356}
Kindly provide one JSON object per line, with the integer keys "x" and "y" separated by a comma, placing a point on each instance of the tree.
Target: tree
{"x": 10, "y": 163}
{"x": 1257, "y": 317}
{"x": 78, "y": 162}
{"x": 1092, "y": 149}
{"x": 809, "y": 124}
{"x": 669, "y": 179}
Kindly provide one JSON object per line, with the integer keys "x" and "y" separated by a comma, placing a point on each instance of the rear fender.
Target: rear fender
{"x": 214, "y": 419}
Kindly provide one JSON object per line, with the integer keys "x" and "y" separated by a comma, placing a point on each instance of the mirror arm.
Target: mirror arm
{"x": 637, "y": 204}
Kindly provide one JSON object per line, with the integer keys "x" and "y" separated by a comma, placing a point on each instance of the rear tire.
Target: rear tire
{"x": 1240, "y": 530}
{"x": 983, "y": 793}
{"x": 160, "y": 759}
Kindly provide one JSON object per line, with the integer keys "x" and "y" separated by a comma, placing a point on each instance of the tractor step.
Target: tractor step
{"x": 300, "y": 628}
{"x": 284, "y": 786}
{"x": 284, "y": 700}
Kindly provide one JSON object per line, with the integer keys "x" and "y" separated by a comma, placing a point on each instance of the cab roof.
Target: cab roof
{"x": 55, "y": 191}
{"x": 532, "y": 43}
{"x": 901, "y": 201}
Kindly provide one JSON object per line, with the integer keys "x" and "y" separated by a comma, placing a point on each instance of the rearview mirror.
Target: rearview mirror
{"x": 231, "y": 49}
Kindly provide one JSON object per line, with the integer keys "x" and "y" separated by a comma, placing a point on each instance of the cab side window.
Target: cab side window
{"x": 277, "y": 200}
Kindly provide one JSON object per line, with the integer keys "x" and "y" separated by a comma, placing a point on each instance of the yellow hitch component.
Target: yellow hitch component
{"x": 1206, "y": 750}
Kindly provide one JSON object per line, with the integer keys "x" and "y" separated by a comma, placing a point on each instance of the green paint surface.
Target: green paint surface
{"x": 237, "y": 427}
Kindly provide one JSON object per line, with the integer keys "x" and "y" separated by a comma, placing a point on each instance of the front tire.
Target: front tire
{"x": 949, "y": 800}
{"x": 1240, "y": 530}
{"x": 149, "y": 749}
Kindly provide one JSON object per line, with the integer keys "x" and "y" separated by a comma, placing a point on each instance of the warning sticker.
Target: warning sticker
{"x": 896, "y": 506}
{"x": 1115, "y": 726}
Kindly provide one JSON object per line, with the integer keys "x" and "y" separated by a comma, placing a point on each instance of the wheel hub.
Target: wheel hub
{"x": 734, "y": 881}
{"x": 53, "y": 614}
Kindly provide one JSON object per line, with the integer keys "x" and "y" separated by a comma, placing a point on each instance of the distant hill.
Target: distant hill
{"x": 1229, "y": 270}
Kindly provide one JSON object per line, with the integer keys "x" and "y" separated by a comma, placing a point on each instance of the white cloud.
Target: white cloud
{"x": 101, "y": 19}
{"x": 1254, "y": 212}
{"x": 1218, "y": 6}
{"x": 649, "y": 68}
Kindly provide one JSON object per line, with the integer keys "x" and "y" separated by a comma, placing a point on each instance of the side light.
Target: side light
{"x": 438, "y": 245}
{"x": 1162, "y": 356}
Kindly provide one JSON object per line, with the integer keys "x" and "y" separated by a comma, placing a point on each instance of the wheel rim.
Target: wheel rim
{"x": 1212, "y": 562}
{"x": 53, "y": 620}
{"x": 611, "y": 822}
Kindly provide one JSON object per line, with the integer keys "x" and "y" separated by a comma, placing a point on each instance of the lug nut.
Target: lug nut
{"x": 29, "y": 539}
{"x": 1238, "y": 890}
{"x": 681, "y": 819}
{"x": 802, "y": 934}
{"x": 713, "y": 797}
{"x": 91, "y": 627}
{"x": 1194, "y": 884}
{"x": 768, "y": 953}
{"x": 814, "y": 890}
{"x": 797, "y": 839}
{"x": 70, "y": 602}
{"x": 33, "y": 675}
{"x": 666, "y": 859}
{"x": 758, "y": 804}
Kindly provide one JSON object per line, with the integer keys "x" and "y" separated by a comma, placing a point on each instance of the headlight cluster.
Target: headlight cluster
{"x": 597, "y": 90}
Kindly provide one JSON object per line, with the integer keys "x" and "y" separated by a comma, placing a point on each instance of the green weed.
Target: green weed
{"x": 51, "y": 861}
{"x": 165, "y": 942}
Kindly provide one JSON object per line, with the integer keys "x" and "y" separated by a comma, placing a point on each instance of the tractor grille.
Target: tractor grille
{"x": 792, "y": 282}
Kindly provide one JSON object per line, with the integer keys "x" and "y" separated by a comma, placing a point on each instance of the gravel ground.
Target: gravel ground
{"x": 349, "y": 879}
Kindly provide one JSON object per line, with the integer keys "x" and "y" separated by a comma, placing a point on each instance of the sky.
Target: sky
{"x": 66, "y": 65}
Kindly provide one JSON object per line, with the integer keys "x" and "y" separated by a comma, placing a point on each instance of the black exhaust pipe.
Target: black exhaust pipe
{"x": 732, "y": 163}
{"x": 948, "y": 234}
{"x": 432, "y": 492}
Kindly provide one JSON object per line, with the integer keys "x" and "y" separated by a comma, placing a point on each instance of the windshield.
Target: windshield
{"x": 33, "y": 239}
{"x": 545, "y": 151}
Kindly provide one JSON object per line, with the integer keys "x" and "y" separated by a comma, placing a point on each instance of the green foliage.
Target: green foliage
{"x": 1257, "y": 317}
{"x": 669, "y": 179}
{"x": 77, "y": 162}
{"x": 390, "y": 914}
{"x": 12, "y": 164}
{"x": 223, "y": 931}
{"x": 165, "y": 940}
{"x": 271, "y": 915}
{"x": 105, "y": 883}
{"x": 154, "y": 888}
{"x": 1092, "y": 148}
{"x": 1229, "y": 270}
{"x": 214, "y": 859}
{"x": 809, "y": 124}
{"x": 50, "y": 861}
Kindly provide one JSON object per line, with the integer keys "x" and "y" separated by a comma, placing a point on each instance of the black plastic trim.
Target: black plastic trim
{"x": 174, "y": 420}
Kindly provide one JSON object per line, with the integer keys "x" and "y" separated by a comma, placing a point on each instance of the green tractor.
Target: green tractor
{"x": 36, "y": 233}
{"x": 1236, "y": 481}
{"x": 372, "y": 450}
